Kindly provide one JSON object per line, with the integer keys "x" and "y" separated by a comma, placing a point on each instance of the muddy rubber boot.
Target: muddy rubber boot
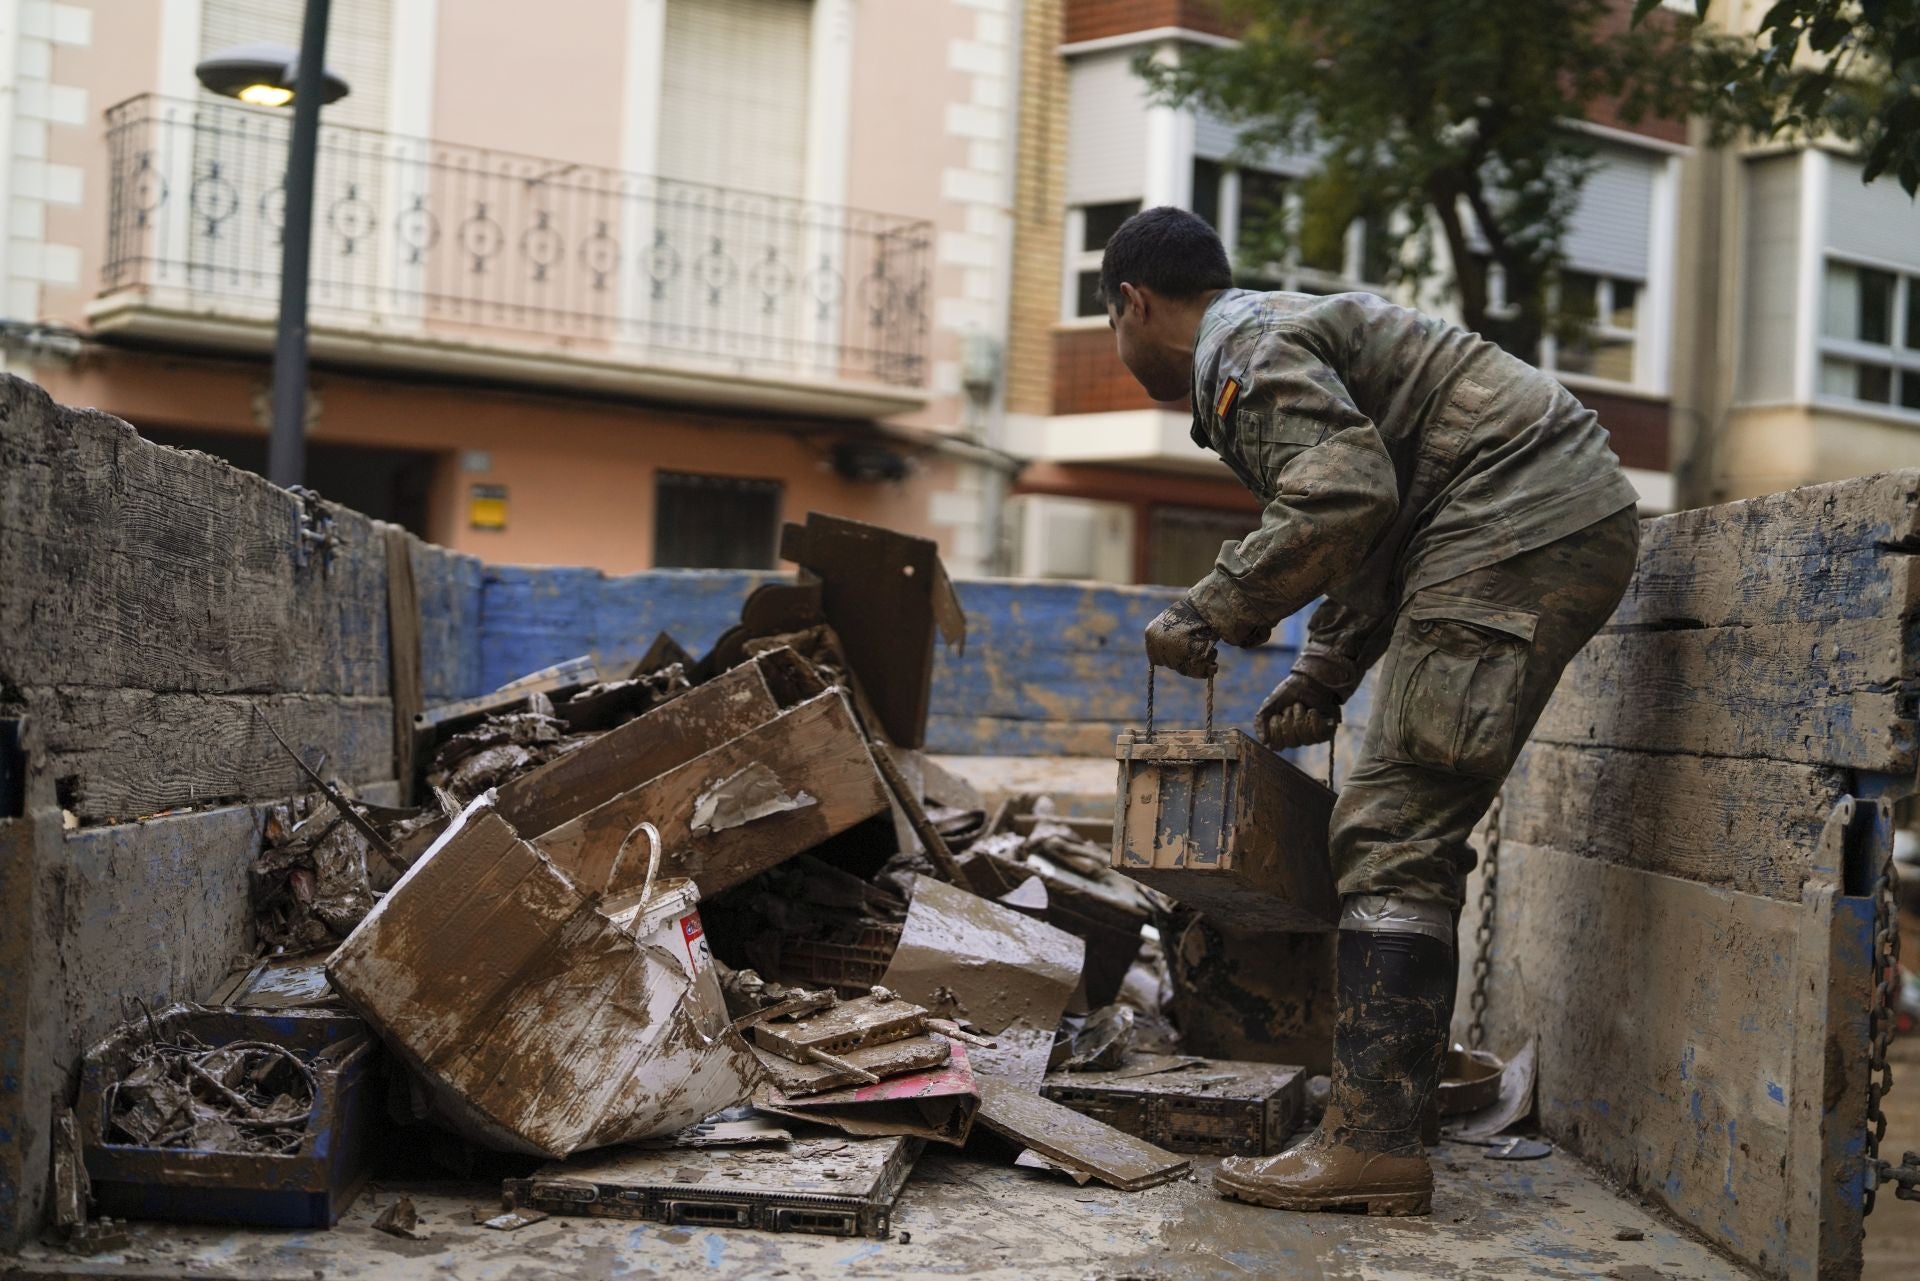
{"x": 1430, "y": 1115}
{"x": 1392, "y": 988}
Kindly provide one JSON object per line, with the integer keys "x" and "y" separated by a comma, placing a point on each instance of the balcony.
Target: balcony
{"x": 457, "y": 260}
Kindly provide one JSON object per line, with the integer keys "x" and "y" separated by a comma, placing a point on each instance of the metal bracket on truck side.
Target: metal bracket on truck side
{"x": 1904, "y": 1178}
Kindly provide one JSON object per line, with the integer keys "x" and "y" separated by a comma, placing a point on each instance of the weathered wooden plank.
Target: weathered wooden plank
{"x": 1841, "y": 693}
{"x": 129, "y": 564}
{"x": 815, "y": 748}
{"x": 1668, "y": 1032}
{"x": 1824, "y": 552}
{"x": 1745, "y": 824}
{"x": 118, "y": 754}
{"x": 644, "y": 748}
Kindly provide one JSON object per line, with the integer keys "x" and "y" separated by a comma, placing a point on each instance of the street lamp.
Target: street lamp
{"x": 272, "y": 76}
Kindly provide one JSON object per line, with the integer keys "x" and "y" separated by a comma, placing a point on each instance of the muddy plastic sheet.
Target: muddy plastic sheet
{"x": 1007, "y": 974}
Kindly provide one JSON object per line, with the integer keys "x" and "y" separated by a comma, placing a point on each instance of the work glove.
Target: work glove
{"x": 1299, "y": 712}
{"x": 1182, "y": 641}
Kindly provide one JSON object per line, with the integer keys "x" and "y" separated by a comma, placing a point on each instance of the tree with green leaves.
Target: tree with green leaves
{"x": 1848, "y": 69}
{"x": 1447, "y": 120}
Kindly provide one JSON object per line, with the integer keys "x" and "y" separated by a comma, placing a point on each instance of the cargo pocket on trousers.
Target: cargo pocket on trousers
{"x": 1453, "y": 694}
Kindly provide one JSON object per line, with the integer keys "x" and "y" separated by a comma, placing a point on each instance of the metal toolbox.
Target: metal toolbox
{"x": 309, "y": 1188}
{"x": 1225, "y": 826}
{"x": 1214, "y": 1106}
{"x": 835, "y": 1185}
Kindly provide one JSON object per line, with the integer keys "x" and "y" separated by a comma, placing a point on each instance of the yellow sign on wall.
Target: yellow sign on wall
{"x": 487, "y": 507}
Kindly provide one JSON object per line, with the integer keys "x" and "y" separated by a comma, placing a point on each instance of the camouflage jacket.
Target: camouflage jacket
{"x": 1393, "y": 450}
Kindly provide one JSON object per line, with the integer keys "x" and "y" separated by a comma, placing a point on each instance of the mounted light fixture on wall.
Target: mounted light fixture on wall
{"x": 866, "y": 460}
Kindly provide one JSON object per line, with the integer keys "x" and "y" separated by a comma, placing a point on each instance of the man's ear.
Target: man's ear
{"x": 1134, "y": 299}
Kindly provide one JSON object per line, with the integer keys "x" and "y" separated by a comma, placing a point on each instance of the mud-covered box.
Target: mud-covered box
{"x": 1225, "y": 826}
{"x": 1220, "y": 1107}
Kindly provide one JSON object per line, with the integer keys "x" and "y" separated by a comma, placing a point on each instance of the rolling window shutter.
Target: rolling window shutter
{"x": 1608, "y": 231}
{"x": 734, "y": 98}
{"x": 1106, "y": 127}
{"x": 1873, "y": 220}
{"x": 358, "y": 35}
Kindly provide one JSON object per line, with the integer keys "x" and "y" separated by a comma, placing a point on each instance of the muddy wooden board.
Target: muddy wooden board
{"x": 1545, "y": 1220}
{"x": 644, "y": 748}
{"x": 1079, "y": 1142}
{"x": 814, "y": 750}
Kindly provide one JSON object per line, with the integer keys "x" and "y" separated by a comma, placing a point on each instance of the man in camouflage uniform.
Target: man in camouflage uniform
{"x": 1465, "y": 519}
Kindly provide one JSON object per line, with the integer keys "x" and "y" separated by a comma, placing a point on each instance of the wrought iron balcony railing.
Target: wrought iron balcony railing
{"x": 439, "y": 241}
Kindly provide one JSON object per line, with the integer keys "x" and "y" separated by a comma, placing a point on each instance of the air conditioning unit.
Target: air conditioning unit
{"x": 1078, "y": 538}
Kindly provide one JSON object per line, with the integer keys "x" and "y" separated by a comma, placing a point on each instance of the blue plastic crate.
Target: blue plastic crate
{"x": 310, "y": 1188}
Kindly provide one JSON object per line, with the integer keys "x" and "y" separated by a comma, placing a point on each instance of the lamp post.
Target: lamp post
{"x": 273, "y": 76}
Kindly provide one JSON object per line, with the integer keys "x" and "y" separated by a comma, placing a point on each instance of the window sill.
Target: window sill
{"x": 1588, "y": 382}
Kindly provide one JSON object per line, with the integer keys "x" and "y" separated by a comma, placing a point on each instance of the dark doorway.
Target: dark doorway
{"x": 386, "y": 484}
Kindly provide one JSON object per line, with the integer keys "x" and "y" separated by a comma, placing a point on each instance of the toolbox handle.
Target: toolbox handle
{"x": 1150, "y": 703}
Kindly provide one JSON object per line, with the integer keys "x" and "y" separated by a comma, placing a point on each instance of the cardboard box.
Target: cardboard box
{"x": 541, "y": 1019}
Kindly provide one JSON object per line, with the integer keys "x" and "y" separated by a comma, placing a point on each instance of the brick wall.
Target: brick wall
{"x": 1088, "y": 377}
{"x": 1095, "y": 19}
{"x": 1039, "y": 210}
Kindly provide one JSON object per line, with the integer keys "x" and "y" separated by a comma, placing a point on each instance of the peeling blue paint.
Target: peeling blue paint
{"x": 1775, "y": 1093}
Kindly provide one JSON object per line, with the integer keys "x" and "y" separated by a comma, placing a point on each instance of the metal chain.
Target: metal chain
{"x": 1483, "y": 930}
{"x": 1209, "y": 709}
{"x": 1149, "y": 698}
{"x": 1880, "y": 1019}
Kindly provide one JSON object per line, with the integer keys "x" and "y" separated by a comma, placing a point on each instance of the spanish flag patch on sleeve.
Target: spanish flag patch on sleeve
{"x": 1229, "y": 393}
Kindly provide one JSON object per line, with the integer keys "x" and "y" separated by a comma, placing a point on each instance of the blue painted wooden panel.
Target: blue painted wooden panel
{"x": 1049, "y": 668}
{"x": 534, "y": 616}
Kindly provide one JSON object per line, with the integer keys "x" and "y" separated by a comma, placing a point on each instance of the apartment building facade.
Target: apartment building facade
{"x": 1116, "y": 488}
{"x": 621, "y": 282}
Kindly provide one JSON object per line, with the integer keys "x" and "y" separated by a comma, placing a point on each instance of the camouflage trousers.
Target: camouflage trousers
{"x": 1470, "y": 666}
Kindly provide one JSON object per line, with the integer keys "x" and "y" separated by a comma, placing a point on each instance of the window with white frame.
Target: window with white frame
{"x": 1870, "y": 336}
{"x": 1247, "y": 206}
{"x": 1089, "y": 227}
{"x": 1608, "y": 308}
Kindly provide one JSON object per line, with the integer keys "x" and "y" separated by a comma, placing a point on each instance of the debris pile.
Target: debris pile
{"x": 246, "y": 1096}
{"x": 715, "y": 939}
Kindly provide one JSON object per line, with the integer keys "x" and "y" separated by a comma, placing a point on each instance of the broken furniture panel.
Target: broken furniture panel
{"x": 843, "y": 1026}
{"x": 1213, "y": 1106}
{"x": 833, "y": 1185}
{"x": 1065, "y": 1137}
{"x": 1227, "y": 827}
{"x": 643, "y": 748}
{"x": 937, "y": 1102}
{"x": 796, "y": 1079}
{"x": 814, "y": 751}
{"x": 540, "y": 1019}
{"x": 174, "y": 1127}
{"x": 884, "y": 593}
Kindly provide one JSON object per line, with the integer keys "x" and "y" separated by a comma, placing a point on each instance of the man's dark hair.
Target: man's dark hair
{"x": 1170, "y": 251}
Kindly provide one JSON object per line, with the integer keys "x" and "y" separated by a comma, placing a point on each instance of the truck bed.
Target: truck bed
{"x": 967, "y": 1217}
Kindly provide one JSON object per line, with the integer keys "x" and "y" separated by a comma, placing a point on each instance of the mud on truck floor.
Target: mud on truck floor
{"x": 964, "y": 1217}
